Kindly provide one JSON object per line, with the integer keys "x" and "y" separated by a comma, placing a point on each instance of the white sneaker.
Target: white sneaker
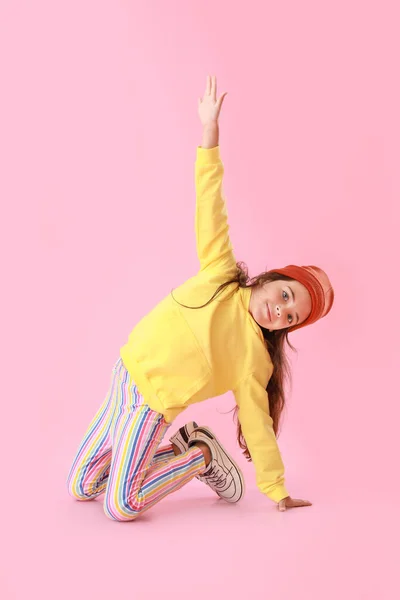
{"x": 181, "y": 437}
{"x": 223, "y": 475}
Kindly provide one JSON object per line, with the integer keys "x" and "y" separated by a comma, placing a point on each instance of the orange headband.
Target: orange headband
{"x": 320, "y": 288}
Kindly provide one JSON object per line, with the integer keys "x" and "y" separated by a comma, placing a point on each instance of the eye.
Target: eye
{"x": 286, "y": 297}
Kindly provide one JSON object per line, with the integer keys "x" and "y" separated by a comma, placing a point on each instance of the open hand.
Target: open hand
{"x": 209, "y": 106}
{"x": 292, "y": 503}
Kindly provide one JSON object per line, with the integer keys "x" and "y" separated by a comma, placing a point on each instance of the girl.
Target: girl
{"x": 217, "y": 332}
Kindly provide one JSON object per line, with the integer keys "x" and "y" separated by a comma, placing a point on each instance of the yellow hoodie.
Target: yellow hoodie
{"x": 178, "y": 356}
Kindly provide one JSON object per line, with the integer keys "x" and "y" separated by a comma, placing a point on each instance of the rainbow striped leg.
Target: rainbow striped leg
{"x": 120, "y": 454}
{"x": 135, "y": 482}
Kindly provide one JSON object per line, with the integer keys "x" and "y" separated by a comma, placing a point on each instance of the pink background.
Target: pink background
{"x": 99, "y": 130}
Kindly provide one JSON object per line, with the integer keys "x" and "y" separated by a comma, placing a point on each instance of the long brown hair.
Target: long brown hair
{"x": 275, "y": 343}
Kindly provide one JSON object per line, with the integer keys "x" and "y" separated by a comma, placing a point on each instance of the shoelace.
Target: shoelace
{"x": 216, "y": 476}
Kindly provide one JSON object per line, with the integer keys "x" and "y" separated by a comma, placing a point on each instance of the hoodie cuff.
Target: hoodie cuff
{"x": 208, "y": 156}
{"x": 278, "y": 494}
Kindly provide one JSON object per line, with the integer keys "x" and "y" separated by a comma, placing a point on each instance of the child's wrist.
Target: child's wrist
{"x": 210, "y": 137}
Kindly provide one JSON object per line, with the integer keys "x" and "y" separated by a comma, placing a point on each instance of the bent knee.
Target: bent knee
{"x": 120, "y": 513}
{"x": 77, "y": 492}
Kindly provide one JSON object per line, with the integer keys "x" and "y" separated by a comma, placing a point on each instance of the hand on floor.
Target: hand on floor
{"x": 292, "y": 503}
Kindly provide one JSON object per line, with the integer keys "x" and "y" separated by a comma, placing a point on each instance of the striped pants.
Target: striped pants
{"x": 120, "y": 454}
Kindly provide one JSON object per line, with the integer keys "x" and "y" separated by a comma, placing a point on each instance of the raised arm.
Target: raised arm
{"x": 214, "y": 248}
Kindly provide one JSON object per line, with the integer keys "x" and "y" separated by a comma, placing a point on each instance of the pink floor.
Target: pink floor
{"x": 193, "y": 545}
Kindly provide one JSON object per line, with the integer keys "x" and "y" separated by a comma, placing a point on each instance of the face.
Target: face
{"x": 280, "y": 304}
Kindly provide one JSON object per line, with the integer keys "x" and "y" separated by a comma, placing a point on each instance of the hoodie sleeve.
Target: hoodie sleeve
{"x": 257, "y": 427}
{"x": 214, "y": 247}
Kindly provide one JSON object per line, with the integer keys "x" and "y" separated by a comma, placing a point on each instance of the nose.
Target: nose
{"x": 280, "y": 311}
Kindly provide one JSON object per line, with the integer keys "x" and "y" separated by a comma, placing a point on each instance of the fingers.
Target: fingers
{"x": 211, "y": 94}
{"x": 220, "y": 101}
{"x": 208, "y": 85}
{"x": 211, "y": 86}
{"x": 292, "y": 503}
{"x": 301, "y": 503}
